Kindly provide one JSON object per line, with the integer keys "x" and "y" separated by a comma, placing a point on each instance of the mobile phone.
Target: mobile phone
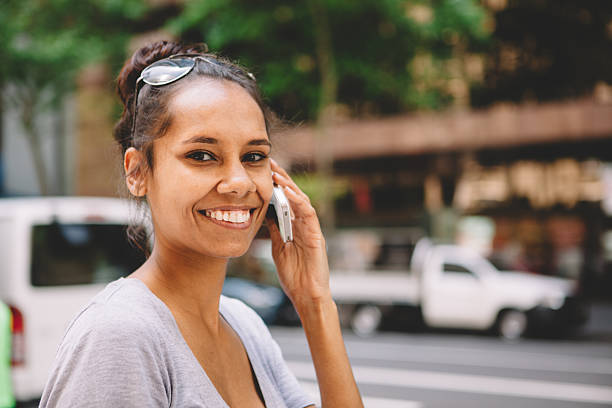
{"x": 280, "y": 211}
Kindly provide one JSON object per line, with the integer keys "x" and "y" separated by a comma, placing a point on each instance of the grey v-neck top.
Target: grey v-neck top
{"x": 124, "y": 349}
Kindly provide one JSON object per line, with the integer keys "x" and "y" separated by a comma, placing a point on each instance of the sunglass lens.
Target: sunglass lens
{"x": 167, "y": 71}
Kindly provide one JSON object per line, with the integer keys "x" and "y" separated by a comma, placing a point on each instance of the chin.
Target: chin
{"x": 230, "y": 250}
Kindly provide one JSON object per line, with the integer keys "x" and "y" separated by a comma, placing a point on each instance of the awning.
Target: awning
{"x": 499, "y": 126}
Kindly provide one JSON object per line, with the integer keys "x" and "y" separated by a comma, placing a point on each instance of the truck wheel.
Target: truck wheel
{"x": 512, "y": 324}
{"x": 366, "y": 320}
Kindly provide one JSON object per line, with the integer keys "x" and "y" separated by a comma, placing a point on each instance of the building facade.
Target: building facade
{"x": 530, "y": 185}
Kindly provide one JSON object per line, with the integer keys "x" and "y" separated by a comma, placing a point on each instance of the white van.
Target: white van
{"x": 55, "y": 255}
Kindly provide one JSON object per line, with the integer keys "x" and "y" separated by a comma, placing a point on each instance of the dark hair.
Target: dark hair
{"x": 153, "y": 118}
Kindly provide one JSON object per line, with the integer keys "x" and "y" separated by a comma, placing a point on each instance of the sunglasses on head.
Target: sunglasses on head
{"x": 167, "y": 71}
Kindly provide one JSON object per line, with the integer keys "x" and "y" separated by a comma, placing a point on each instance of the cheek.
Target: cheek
{"x": 264, "y": 184}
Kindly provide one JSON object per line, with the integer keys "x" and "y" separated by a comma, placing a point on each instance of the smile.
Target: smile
{"x": 234, "y": 218}
{"x": 239, "y": 216}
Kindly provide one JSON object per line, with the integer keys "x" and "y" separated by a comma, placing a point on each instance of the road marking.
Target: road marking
{"x": 559, "y": 391}
{"x": 369, "y": 402}
{"x": 470, "y": 357}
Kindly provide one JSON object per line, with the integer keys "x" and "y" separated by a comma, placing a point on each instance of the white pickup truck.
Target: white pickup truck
{"x": 453, "y": 287}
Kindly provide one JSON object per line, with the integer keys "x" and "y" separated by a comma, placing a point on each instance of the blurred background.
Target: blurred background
{"x": 485, "y": 125}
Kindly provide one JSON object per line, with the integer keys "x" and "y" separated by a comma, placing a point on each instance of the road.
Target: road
{"x": 470, "y": 370}
{"x": 426, "y": 370}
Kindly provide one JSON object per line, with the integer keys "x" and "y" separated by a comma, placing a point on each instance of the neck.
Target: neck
{"x": 189, "y": 284}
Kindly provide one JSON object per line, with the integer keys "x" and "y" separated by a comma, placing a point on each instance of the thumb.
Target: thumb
{"x": 275, "y": 236}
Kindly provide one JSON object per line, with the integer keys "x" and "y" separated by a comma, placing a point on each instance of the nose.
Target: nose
{"x": 235, "y": 180}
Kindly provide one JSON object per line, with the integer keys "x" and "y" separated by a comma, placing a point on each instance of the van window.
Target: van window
{"x": 77, "y": 254}
{"x": 456, "y": 268}
{"x": 394, "y": 256}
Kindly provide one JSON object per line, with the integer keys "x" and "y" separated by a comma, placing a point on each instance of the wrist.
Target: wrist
{"x": 315, "y": 309}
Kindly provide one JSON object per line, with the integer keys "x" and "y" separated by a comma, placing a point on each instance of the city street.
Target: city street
{"x": 428, "y": 369}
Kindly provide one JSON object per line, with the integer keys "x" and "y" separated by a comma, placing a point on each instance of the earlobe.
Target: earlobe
{"x": 133, "y": 165}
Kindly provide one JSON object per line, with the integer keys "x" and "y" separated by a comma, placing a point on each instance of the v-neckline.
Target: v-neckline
{"x": 247, "y": 349}
{"x": 256, "y": 370}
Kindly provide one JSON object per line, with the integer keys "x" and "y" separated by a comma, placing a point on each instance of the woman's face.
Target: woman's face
{"x": 211, "y": 180}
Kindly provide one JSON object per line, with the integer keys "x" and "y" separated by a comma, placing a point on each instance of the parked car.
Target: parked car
{"x": 269, "y": 301}
{"x": 252, "y": 278}
{"x": 453, "y": 287}
{"x": 56, "y": 254}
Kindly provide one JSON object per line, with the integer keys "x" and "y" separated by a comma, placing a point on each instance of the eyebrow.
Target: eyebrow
{"x": 212, "y": 140}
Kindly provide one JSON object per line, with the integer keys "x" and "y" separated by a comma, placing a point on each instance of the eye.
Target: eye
{"x": 254, "y": 157}
{"x": 200, "y": 155}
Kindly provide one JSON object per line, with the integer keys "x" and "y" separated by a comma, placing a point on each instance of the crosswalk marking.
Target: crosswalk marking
{"x": 369, "y": 402}
{"x": 472, "y": 358}
{"x": 560, "y": 391}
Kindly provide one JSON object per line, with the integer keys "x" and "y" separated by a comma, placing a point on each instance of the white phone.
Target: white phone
{"x": 280, "y": 210}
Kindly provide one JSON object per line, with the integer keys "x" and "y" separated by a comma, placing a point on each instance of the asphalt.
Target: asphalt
{"x": 599, "y": 325}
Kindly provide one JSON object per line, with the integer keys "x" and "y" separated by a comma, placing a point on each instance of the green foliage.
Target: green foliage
{"x": 314, "y": 185}
{"x": 43, "y": 46}
{"x": 46, "y": 42}
{"x": 374, "y": 43}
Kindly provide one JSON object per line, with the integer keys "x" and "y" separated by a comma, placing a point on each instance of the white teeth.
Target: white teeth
{"x": 230, "y": 216}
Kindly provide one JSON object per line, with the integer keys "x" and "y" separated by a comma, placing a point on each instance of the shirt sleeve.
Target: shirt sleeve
{"x": 107, "y": 362}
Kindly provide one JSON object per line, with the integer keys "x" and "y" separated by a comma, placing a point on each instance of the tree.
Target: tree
{"x": 547, "y": 50}
{"x": 320, "y": 59}
{"x": 373, "y": 45}
{"x": 43, "y": 46}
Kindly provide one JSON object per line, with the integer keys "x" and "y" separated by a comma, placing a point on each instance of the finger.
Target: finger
{"x": 275, "y": 235}
{"x": 288, "y": 182}
{"x": 272, "y": 228}
{"x": 301, "y": 205}
{"x": 278, "y": 170}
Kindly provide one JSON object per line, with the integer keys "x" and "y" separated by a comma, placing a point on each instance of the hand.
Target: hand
{"x": 302, "y": 263}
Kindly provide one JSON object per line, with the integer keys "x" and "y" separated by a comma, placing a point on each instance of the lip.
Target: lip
{"x": 230, "y": 208}
{"x": 228, "y": 224}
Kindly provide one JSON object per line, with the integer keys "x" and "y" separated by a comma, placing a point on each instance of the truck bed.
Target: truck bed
{"x": 380, "y": 287}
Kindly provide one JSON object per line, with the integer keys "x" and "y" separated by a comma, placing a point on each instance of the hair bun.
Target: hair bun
{"x": 145, "y": 56}
{"x": 126, "y": 81}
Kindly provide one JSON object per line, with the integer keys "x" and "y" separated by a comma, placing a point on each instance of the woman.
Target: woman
{"x": 194, "y": 133}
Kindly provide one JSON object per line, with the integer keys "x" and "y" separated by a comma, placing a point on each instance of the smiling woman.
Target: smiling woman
{"x": 195, "y": 138}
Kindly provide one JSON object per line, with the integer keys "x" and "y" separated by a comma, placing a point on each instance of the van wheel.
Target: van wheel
{"x": 366, "y": 320}
{"x": 512, "y": 324}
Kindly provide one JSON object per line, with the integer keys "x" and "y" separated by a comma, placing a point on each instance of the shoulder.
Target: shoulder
{"x": 245, "y": 321}
{"x": 234, "y": 305}
{"x": 240, "y": 312}
{"x": 249, "y": 325}
{"x": 122, "y": 313}
{"x": 116, "y": 351}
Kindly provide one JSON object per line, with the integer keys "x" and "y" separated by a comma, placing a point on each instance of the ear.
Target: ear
{"x": 134, "y": 165}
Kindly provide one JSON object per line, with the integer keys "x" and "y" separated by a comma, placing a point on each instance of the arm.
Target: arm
{"x": 304, "y": 274}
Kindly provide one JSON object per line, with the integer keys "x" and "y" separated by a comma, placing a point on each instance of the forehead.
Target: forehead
{"x": 215, "y": 108}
